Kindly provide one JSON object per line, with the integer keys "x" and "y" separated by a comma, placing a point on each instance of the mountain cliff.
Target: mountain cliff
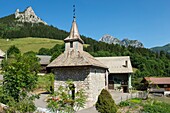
{"x": 165, "y": 48}
{"x": 28, "y": 16}
{"x": 125, "y": 42}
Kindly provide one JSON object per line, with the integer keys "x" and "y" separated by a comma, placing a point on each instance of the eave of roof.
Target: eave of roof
{"x": 75, "y": 59}
{"x": 157, "y": 80}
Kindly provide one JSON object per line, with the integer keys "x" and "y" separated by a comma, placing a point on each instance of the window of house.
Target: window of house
{"x": 165, "y": 85}
{"x": 71, "y": 44}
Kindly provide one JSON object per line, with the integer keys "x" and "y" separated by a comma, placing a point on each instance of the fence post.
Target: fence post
{"x": 121, "y": 98}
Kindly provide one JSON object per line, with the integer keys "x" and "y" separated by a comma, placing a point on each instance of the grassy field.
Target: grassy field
{"x": 163, "y": 99}
{"x": 144, "y": 106}
{"x": 29, "y": 44}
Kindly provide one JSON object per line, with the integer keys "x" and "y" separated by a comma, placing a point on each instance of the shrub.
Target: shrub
{"x": 156, "y": 107}
{"x": 124, "y": 103}
{"x": 105, "y": 103}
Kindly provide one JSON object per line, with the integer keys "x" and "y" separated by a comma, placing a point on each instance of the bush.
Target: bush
{"x": 156, "y": 107}
{"x": 124, "y": 103}
{"x": 105, "y": 103}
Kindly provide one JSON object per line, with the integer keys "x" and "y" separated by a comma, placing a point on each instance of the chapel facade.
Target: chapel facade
{"x": 84, "y": 70}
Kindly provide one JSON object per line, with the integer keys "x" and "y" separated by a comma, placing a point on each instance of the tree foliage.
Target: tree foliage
{"x": 105, "y": 103}
{"x": 20, "y": 77}
{"x": 12, "y": 51}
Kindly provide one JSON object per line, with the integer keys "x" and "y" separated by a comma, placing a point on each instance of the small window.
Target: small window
{"x": 71, "y": 44}
{"x": 126, "y": 63}
{"x": 165, "y": 86}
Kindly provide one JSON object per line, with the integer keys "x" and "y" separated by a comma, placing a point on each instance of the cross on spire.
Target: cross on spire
{"x": 74, "y": 12}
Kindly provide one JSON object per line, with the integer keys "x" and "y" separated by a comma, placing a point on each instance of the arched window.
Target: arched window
{"x": 71, "y": 44}
{"x": 72, "y": 88}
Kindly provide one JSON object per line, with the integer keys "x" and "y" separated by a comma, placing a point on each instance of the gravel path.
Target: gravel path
{"x": 88, "y": 110}
{"x": 41, "y": 101}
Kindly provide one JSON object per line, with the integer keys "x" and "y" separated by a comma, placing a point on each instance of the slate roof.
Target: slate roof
{"x": 117, "y": 64}
{"x": 44, "y": 59}
{"x": 75, "y": 58}
{"x": 74, "y": 33}
{"x": 157, "y": 80}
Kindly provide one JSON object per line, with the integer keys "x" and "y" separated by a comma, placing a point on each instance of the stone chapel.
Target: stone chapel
{"x": 84, "y": 70}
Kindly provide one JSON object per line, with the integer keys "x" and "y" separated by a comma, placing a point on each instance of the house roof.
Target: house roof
{"x": 74, "y": 34}
{"x": 44, "y": 59}
{"x": 1, "y": 53}
{"x": 75, "y": 58}
{"x": 157, "y": 80}
{"x": 117, "y": 64}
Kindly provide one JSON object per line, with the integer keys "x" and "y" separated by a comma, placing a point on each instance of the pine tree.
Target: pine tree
{"x": 105, "y": 103}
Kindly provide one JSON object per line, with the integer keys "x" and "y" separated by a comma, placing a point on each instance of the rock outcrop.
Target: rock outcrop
{"x": 125, "y": 42}
{"x": 28, "y": 16}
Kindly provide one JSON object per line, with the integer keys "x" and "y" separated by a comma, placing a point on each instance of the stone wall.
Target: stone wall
{"x": 92, "y": 80}
{"x": 97, "y": 83}
{"x": 79, "y": 76}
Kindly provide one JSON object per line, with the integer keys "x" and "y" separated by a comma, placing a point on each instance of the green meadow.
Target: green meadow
{"x": 29, "y": 43}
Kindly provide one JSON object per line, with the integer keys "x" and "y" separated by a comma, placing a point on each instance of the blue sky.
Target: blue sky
{"x": 145, "y": 20}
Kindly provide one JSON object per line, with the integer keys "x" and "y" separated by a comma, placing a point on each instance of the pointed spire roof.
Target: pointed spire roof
{"x": 74, "y": 33}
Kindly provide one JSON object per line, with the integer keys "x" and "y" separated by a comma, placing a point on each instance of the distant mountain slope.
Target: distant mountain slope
{"x": 125, "y": 42}
{"x": 165, "y": 48}
{"x": 29, "y": 43}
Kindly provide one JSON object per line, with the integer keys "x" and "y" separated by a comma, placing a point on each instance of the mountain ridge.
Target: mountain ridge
{"x": 165, "y": 48}
{"x": 125, "y": 42}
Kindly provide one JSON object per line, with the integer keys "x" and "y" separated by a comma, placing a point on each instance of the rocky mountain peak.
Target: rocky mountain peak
{"x": 109, "y": 39}
{"x": 125, "y": 42}
{"x": 28, "y": 16}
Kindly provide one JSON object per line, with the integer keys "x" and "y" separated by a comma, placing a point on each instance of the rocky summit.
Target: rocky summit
{"x": 125, "y": 42}
{"x": 28, "y": 16}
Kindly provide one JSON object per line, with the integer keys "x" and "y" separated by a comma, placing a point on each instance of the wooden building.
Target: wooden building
{"x": 157, "y": 84}
{"x": 44, "y": 61}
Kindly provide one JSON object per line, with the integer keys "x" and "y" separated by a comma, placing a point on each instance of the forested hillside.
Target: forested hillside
{"x": 146, "y": 62}
{"x": 165, "y": 48}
